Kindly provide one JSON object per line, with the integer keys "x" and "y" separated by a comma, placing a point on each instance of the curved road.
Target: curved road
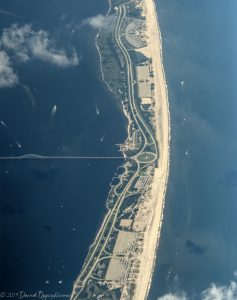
{"x": 92, "y": 259}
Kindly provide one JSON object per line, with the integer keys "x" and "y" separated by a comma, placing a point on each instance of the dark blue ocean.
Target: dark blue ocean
{"x": 50, "y": 210}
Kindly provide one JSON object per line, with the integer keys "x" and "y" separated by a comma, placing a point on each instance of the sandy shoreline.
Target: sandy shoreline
{"x": 162, "y": 118}
{"x": 156, "y": 199}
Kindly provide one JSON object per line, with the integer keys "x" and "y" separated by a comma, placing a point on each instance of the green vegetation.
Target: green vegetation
{"x": 111, "y": 242}
{"x": 93, "y": 290}
{"x": 128, "y": 189}
{"x": 118, "y": 2}
{"x": 134, "y": 11}
{"x": 145, "y": 157}
{"x": 137, "y": 57}
{"x": 112, "y": 61}
{"x": 100, "y": 269}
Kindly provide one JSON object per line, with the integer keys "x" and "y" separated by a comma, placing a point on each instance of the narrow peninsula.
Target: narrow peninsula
{"x": 121, "y": 260}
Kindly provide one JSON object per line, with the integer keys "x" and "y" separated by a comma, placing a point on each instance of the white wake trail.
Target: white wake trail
{"x": 4, "y": 124}
{"x": 53, "y": 112}
{"x": 11, "y": 133}
{"x": 29, "y": 93}
{"x": 97, "y": 109}
{"x": 18, "y": 144}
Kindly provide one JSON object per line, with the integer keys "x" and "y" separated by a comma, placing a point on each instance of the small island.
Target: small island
{"x": 121, "y": 260}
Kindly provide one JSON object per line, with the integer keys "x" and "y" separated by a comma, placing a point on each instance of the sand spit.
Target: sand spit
{"x": 154, "y": 50}
{"x": 146, "y": 256}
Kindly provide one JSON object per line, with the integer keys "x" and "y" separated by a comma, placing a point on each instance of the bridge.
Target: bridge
{"x": 43, "y": 157}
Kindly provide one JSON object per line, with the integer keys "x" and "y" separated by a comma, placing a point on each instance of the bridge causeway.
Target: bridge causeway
{"x": 42, "y": 157}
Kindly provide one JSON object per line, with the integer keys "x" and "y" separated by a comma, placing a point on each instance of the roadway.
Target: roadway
{"x": 112, "y": 214}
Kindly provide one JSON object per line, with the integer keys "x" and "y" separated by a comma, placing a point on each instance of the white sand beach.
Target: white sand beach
{"x": 162, "y": 119}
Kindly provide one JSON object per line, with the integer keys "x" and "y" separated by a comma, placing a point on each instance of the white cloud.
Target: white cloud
{"x": 95, "y": 22}
{"x": 42, "y": 48}
{"x": 99, "y": 21}
{"x": 27, "y": 44}
{"x": 8, "y": 77}
{"x": 173, "y": 297}
{"x": 214, "y": 292}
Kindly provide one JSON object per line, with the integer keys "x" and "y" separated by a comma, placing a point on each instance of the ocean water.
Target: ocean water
{"x": 198, "y": 243}
{"x": 50, "y": 210}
